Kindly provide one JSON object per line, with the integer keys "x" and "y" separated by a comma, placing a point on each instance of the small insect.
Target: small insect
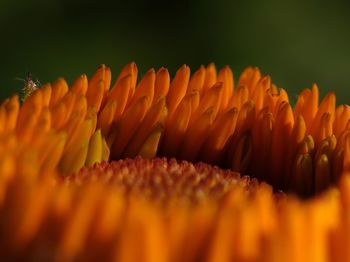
{"x": 30, "y": 85}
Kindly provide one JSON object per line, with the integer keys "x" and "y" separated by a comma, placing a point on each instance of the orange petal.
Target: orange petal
{"x": 129, "y": 123}
{"x": 223, "y": 128}
{"x": 120, "y": 93}
{"x": 103, "y": 73}
{"x": 210, "y": 77}
{"x": 105, "y": 118}
{"x": 145, "y": 87}
{"x": 80, "y": 85}
{"x": 323, "y": 128}
{"x": 341, "y": 118}
{"x": 54, "y": 154}
{"x": 281, "y": 132}
{"x": 59, "y": 89}
{"x": 196, "y": 136}
{"x": 129, "y": 69}
{"x": 310, "y": 108}
{"x": 197, "y": 80}
{"x": 95, "y": 95}
{"x": 12, "y": 109}
{"x": 249, "y": 78}
{"x": 296, "y": 139}
{"x": 242, "y": 154}
{"x": 161, "y": 85}
{"x": 46, "y": 91}
{"x": 212, "y": 98}
{"x": 144, "y": 130}
{"x": 175, "y": 132}
{"x": 327, "y": 106}
{"x": 178, "y": 88}
{"x": 240, "y": 97}
{"x": 226, "y": 77}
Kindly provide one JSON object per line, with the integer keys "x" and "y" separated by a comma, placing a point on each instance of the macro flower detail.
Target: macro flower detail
{"x": 183, "y": 169}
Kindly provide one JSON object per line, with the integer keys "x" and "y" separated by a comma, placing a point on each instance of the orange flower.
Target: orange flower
{"x": 72, "y": 189}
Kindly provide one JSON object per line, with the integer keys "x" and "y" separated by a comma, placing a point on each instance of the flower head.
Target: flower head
{"x": 99, "y": 170}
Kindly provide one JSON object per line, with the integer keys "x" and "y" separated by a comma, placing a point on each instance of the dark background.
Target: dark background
{"x": 296, "y": 42}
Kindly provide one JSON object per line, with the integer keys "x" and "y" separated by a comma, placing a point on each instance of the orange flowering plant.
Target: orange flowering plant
{"x": 198, "y": 167}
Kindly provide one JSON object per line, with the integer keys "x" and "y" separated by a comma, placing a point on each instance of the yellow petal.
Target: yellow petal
{"x": 94, "y": 154}
{"x": 150, "y": 146}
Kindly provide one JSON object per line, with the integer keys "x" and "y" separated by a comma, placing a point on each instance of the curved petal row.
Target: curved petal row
{"x": 250, "y": 128}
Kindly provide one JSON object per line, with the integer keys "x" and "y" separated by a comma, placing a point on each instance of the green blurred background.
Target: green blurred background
{"x": 296, "y": 42}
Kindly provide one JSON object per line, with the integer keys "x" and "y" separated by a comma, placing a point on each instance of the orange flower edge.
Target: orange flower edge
{"x": 52, "y": 209}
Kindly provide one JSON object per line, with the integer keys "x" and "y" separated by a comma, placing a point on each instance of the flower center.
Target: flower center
{"x": 163, "y": 180}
